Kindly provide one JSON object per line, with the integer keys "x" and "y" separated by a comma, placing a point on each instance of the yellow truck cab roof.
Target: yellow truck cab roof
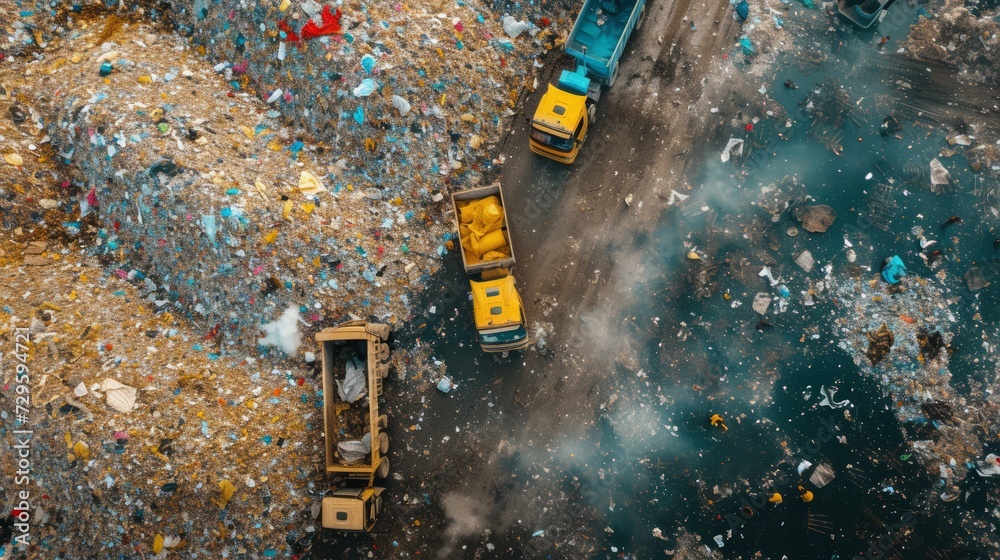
{"x": 560, "y": 111}
{"x": 496, "y": 303}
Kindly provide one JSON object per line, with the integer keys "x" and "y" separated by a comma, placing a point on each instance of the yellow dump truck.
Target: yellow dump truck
{"x": 488, "y": 256}
{"x": 355, "y": 361}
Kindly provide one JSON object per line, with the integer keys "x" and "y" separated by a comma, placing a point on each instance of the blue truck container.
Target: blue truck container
{"x": 599, "y": 36}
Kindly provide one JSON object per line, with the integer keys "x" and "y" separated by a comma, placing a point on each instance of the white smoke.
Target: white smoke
{"x": 283, "y": 332}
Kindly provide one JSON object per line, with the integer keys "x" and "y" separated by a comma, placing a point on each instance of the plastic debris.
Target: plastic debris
{"x": 355, "y": 450}
{"x": 733, "y": 148}
{"x": 355, "y": 383}
{"x": 828, "y": 394}
{"x": 743, "y": 10}
{"x": 310, "y": 184}
{"x": 821, "y": 475}
{"x": 514, "y": 28}
{"x": 119, "y": 396}
{"x": 445, "y": 385}
{"x": 893, "y": 270}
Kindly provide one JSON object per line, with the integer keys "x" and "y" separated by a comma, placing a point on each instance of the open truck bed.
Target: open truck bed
{"x": 600, "y": 33}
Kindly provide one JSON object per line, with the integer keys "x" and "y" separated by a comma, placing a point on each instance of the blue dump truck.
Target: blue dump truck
{"x": 567, "y": 109}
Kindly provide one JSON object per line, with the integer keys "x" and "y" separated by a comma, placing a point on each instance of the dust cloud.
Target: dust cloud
{"x": 466, "y": 515}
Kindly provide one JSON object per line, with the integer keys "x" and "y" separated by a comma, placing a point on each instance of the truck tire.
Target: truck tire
{"x": 383, "y": 443}
{"x": 591, "y": 115}
{"x": 383, "y": 468}
{"x": 382, "y": 352}
{"x": 383, "y": 370}
{"x": 383, "y": 421}
{"x": 641, "y": 18}
{"x": 378, "y": 329}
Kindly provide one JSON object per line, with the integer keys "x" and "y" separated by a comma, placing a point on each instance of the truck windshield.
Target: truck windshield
{"x": 554, "y": 142}
{"x": 503, "y": 336}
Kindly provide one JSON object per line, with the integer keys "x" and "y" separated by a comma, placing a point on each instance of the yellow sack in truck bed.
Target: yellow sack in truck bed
{"x": 488, "y": 218}
{"x": 467, "y": 210}
{"x": 498, "y": 255}
{"x": 479, "y": 246}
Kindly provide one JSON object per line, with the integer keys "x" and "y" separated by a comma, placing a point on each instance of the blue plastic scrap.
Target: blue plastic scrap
{"x": 743, "y": 10}
{"x": 894, "y": 270}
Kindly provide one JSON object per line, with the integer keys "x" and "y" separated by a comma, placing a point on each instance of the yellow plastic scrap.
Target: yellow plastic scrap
{"x": 310, "y": 184}
{"x": 286, "y": 212}
{"x": 76, "y": 58}
{"x": 145, "y": 79}
{"x": 13, "y": 158}
{"x": 284, "y": 5}
{"x": 158, "y": 544}
{"x": 775, "y": 498}
{"x": 308, "y": 207}
{"x": 227, "y": 490}
{"x": 270, "y": 237}
{"x": 274, "y": 146}
{"x": 247, "y": 131}
{"x": 81, "y": 450}
{"x": 223, "y": 532}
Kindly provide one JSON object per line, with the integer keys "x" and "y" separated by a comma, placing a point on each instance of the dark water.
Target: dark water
{"x": 668, "y": 482}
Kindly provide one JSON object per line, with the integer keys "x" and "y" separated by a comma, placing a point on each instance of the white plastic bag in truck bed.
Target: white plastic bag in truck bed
{"x": 354, "y": 451}
{"x": 353, "y": 387}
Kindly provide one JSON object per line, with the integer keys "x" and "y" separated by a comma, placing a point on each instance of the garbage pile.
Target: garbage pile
{"x": 145, "y": 440}
{"x": 901, "y": 334}
{"x": 207, "y": 202}
{"x": 413, "y": 92}
{"x": 965, "y": 35}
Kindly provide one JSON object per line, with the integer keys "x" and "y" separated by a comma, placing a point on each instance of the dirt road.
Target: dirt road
{"x": 581, "y": 251}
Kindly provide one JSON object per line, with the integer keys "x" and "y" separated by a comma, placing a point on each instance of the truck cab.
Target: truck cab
{"x": 499, "y": 314}
{"x": 352, "y": 509}
{"x": 562, "y": 119}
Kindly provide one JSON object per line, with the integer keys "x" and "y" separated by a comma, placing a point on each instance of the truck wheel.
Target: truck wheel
{"x": 383, "y": 421}
{"x": 383, "y": 370}
{"x": 381, "y": 331}
{"x": 382, "y": 352}
{"x": 591, "y": 115}
{"x": 383, "y": 443}
{"x": 642, "y": 16}
{"x": 383, "y": 468}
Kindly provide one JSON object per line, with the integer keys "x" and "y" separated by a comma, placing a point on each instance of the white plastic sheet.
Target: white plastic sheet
{"x": 353, "y": 387}
{"x": 355, "y": 450}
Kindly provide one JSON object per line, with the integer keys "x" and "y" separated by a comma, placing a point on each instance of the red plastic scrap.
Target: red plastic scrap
{"x": 214, "y": 332}
{"x": 331, "y": 24}
{"x": 290, "y": 35}
{"x": 544, "y": 22}
{"x": 749, "y": 127}
{"x": 92, "y": 197}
